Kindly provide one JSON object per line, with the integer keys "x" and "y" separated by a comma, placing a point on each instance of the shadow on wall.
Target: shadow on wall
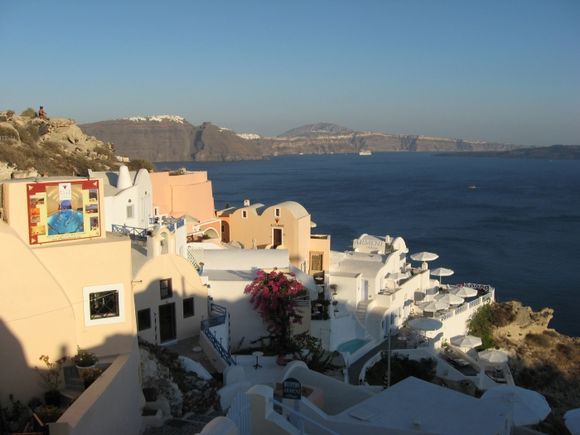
{"x": 115, "y": 394}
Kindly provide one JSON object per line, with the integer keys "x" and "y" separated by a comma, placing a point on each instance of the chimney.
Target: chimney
{"x": 124, "y": 180}
{"x": 246, "y": 202}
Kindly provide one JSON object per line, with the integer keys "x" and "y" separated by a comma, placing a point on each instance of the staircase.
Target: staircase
{"x": 193, "y": 260}
{"x": 361, "y": 311}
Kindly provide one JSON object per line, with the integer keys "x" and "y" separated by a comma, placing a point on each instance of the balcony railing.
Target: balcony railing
{"x": 218, "y": 316}
{"x": 133, "y": 232}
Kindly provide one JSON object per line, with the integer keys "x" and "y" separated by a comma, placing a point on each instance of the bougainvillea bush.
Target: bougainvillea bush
{"x": 274, "y": 295}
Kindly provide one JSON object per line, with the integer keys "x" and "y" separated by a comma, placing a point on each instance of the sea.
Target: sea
{"x": 510, "y": 223}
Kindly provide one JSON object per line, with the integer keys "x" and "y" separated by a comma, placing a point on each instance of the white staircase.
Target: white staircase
{"x": 361, "y": 311}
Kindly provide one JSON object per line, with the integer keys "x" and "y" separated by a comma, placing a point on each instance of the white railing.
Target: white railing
{"x": 298, "y": 419}
{"x": 484, "y": 299}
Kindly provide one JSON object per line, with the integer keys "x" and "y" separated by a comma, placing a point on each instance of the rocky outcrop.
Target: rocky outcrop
{"x": 184, "y": 390}
{"x": 31, "y": 146}
{"x": 545, "y": 360}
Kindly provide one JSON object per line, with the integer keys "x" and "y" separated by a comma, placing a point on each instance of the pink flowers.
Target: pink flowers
{"x": 274, "y": 295}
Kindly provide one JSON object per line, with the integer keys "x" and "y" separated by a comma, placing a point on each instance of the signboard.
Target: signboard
{"x": 291, "y": 389}
{"x": 369, "y": 244}
{"x": 63, "y": 211}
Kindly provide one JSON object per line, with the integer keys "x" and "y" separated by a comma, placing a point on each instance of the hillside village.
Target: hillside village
{"x": 144, "y": 278}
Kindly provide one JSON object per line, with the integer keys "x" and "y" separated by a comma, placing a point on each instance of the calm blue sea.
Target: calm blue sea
{"x": 519, "y": 230}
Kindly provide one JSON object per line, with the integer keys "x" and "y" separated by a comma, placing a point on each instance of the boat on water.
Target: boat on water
{"x": 472, "y": 187}
{"x": 365, "y": 153}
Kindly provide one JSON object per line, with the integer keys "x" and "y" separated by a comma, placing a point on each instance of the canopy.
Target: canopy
{"x": 433, "y": 306}
{"x": 449, "y": 299}
{"x": 468, "y": 341}
{"x": 442, "y": 271}
{"x": 424, "y": 256}
{"x": 493, "y": 356}
{"x": 526, "y": 406}
{"x": 464, "y": 292}
{"x": 425, "y": 324}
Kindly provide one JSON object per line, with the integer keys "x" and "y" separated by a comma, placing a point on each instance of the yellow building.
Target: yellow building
{"x": 286, "y": 225}
{"x": 65, "y": 284}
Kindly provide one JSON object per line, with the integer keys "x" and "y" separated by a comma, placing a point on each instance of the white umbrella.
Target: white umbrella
{"x": 468, "y": 341}
{"x": 424, "y": 256}
{"x": 464, "y": 292}
{"x": 433, "y": 306}
{"x": 449, "y": 299}
{"x": 526, "y": 406}
{"x": 493, "y": 356}
{"x": 425, "y": 324}
{"x": 572, "y": 419}
{"x": 441, "y": 272}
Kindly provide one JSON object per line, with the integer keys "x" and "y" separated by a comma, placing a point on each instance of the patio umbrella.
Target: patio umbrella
{"x": 425, "y": 324}
{"x": 464, "y": 292}
{"x": 449, "y": 299}
{"x": 572, "y": 419}
{"x": 424, "y": 256}
{"x": 468, "y": 341}
{"x": 441, "y": 272}
{"x": 526, "y": 406}
{"x": 433, "y": 306}
{"x": 493, "y": 356}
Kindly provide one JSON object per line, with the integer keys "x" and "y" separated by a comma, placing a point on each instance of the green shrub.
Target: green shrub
{"x": 480, "y": 325}
{"x": 30, "y": 113}
{"x": 135, "y": 165}
{"x": 538, "y": 340}
{"x": 401, "y": 367}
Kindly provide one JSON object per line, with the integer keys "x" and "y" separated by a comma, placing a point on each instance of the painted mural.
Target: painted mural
{"x": 63, "y": 211}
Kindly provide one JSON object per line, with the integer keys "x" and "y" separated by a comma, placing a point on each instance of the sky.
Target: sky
{"x": 496, "y": 70}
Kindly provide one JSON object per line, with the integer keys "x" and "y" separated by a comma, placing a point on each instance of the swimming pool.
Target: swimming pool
{"x": 352, "y": 346}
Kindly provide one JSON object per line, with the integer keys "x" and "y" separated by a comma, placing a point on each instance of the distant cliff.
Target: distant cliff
{"x": 171, "y": 138}
{"x": 554, "y": 152}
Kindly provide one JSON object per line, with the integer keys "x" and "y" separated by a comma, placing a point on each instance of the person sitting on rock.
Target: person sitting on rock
{"x": 42, "y": 113}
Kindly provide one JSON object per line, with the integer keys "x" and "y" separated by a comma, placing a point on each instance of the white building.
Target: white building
{"x": 128, "y": 197}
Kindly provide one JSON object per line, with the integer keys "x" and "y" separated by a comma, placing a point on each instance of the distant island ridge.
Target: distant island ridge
{"x": 170, "y": 138}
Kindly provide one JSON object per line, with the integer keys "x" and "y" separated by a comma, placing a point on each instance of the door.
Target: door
{"x": 276, "y": 237}
{"x": 167, "y": 327}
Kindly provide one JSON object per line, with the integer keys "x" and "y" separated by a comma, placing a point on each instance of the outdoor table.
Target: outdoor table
{"x": 257, "y": 354}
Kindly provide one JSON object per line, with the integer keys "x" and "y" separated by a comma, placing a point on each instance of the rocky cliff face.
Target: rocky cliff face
{"x": 31, "y": 146}
{"x": 171, "y": 138}
{"x": 543, "y": 359}
{"x": 157, "y": 138}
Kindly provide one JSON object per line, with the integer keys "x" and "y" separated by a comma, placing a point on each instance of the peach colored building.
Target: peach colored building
{"x": 65, "y": 283}
{"x": 170, "y": 300}
{"x": 186, "y": 193}
{"x": 286, "y": 225}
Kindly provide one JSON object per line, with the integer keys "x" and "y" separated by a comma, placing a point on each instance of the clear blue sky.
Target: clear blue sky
{"x": 498, "y": 70}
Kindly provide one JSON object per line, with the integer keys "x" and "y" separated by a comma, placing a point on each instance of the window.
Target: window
{"x": 277, "y": 212}
{"x": 129, "y": 211}
{"x": 188, "y": 308}
{"x": 244, "y": 214}
{"x": 165, "y": 288}
{"x": 143, "y": 319}
{"x": 316, "y": 261}
{"x": 103, "y": 304}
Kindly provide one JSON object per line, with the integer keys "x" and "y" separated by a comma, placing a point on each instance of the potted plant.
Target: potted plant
{"x": 84, "y": 360}
{"x": 90, "y": 375}
{"x": 51, "y": 377}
